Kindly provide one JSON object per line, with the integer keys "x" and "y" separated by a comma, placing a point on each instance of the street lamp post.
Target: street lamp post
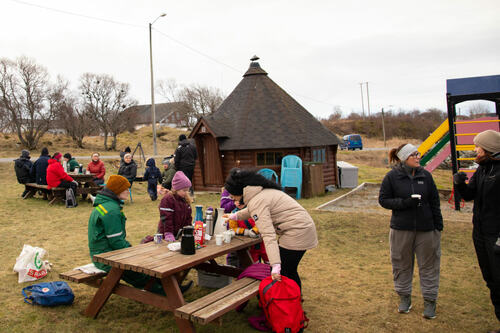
{"x": 153, "y": 111}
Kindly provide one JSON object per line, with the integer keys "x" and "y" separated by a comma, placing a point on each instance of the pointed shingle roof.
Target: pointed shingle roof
{"x": 258, "y": 114}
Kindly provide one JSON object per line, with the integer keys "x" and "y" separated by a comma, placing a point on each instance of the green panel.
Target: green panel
{"x": 437, "y": 147}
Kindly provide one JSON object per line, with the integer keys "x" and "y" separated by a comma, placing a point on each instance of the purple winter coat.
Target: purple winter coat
{"x": 226, "y": 202}
{"x": 175, "y": 213}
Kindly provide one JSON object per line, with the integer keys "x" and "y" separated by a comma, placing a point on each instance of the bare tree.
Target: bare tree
{"x": 198, "y": 100}
{"x": 28, "y": 99}
{"x": 478, "y": 109}
{"x": 104, "y": 99}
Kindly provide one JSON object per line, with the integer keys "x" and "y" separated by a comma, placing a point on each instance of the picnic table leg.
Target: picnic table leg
{"x": 31, "y": 193}
{"x": 245, "y": 258}
{"x": 103, "y": 293}
{"x": 175, "y": 300}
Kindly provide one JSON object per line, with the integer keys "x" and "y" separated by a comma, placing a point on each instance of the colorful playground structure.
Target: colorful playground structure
{"x": 453, "y": 137}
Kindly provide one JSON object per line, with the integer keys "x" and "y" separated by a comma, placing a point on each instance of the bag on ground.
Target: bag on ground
{"x": 49, "y": 294}
{"x": 281, "y": 302}
{"x": 70, "y": 198}
{"x": 30, "y": 264}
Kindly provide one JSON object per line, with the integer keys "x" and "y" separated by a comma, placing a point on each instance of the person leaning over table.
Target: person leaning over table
{"x": 275, "y": 214}
{"x": 416, "y": 226}
{"x": 96, "y": 166}
{"x": 484, "y": 189}
{"x": 128, "y": 169}
{"x": 57, "y": 177}
{"x": 106, "y": 228}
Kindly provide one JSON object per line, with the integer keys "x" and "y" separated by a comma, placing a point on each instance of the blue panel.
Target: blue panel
{"x": 473, "y": 85}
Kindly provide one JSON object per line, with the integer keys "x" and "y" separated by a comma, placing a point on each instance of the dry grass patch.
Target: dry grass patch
{"x": 347, "y": 280}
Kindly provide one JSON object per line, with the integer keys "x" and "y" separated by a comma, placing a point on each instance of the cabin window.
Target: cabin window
{"x": 269, "y": 158}
{"x": 319, "y": 155}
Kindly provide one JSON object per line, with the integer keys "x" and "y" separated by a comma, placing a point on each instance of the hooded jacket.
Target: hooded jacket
{"x": 40, "y": 169}
{"x": 73, "y": 164}
{"x": 152, "y": 173}
{"x": 185, "y": 155}
{"x": 175, "y": 213}
{"x": 128, "y": 170}
{"x": 23, "y": 168}
{"x": 397, "y": 186}
{"x": 106, "y": 230}
{"x": 277, "y": 214}
{"x": 56, "y": 173}
{"x": 484, "y": 189}
{"x": 167, "y": 176}
{"x": 97, "y": 168}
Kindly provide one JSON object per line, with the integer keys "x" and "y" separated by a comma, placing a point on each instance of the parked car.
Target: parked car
{"x": 353, "y": 142}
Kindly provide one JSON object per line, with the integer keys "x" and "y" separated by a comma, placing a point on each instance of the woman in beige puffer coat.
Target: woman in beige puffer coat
{"x": 286, "y": 227}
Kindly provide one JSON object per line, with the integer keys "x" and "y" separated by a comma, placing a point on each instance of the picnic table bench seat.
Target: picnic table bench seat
{"x": 55, "y": 193}
{"x": 214, "y": 305}
{"x": 78, "y": 276}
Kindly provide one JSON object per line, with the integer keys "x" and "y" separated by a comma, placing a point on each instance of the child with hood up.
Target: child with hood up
{"x": 153, "y": 177}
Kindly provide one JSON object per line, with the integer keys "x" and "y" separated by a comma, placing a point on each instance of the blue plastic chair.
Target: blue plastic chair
{"x": 291, "y": 173}
{"x": 269, "y": 174}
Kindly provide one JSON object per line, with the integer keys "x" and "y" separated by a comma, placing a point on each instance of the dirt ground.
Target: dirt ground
{"x": 366, "y": 199}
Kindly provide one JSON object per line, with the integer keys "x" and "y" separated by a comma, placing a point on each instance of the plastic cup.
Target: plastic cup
{"x": 218, "y": 239}
{"x": 227, "y": 237}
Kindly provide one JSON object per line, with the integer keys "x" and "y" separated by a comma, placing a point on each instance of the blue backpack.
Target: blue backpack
{"x": 49, "y": 294}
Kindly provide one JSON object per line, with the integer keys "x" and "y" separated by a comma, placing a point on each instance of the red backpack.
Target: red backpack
{"x": 282, "y": 306}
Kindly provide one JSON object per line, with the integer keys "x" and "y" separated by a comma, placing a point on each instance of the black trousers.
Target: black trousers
{"x": 188, "y": 171}
{"x": 489, "y": 262}
{"x": 290, "y": 262}
{"x": 66, "y": 184}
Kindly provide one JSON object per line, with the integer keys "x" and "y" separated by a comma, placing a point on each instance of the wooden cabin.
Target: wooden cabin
{"x": 255, "y": 126}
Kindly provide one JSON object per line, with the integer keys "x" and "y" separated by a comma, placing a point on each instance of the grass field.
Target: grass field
{"x": 347, "y": 280}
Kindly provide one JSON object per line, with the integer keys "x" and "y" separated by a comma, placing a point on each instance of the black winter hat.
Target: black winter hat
{"x": 45, "y": 151}
{"x": 25, "y": 153}
{"x": 67, "y": 155}
{"x": 182, "y": 137}
{"x": 127, "y": 149}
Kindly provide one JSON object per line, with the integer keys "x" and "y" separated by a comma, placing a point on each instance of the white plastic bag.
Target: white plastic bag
{"x": 30, "y": 264}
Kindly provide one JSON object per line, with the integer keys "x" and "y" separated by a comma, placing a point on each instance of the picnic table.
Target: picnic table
{"x": 157, "y": 261}
{"x": 86, "y": 186}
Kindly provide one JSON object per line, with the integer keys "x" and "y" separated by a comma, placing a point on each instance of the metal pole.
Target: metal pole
{"x": 383, "y": 127}
{"x": 362, "y": 102}
{"x": 153, "y": 111}
{"x": 454, "y": 163}
{"x": 368, "y": 98}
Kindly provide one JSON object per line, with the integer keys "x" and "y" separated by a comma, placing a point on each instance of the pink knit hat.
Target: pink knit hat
{"x": 180, "y": 181}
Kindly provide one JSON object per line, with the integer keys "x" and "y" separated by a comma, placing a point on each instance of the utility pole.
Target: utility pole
{"x": 362, "y": 102}
{"x": 153, "y": 111}
{"x": 368, "y": 98}
{"x": 383, "y": 127}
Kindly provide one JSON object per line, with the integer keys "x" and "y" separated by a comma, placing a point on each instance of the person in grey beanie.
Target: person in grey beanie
{"x": 416, "y": 224}
{"x": 484, "y": 189}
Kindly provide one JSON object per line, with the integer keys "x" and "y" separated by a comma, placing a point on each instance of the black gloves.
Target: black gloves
{"x": 411, "y": 202}
{"x": 459, "y": 178}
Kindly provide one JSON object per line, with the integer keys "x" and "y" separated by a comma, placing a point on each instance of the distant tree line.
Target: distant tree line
{"x": 31, "y": 103}
{"x": 413, "y": 124}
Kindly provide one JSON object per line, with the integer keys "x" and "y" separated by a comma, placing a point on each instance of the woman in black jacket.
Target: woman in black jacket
{"x": 416, "y": 225}
{"x": 128, "y": 169}
{"x": 484, "y": 189}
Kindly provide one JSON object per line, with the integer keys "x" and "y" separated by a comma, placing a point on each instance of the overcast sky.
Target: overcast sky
{"x": 318, "y": 51}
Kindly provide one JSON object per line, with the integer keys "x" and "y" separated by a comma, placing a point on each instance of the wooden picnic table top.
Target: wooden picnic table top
{"x": 82, "y": 177}
{"x": 158, "y": 261}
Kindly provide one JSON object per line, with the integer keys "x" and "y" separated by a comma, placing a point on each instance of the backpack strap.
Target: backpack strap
{"x": 26, "y": 297}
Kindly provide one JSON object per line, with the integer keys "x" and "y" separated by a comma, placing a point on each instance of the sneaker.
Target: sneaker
{"x": 404, "y": 303}
{"x": 91, "y": 198}
{"x": 429, "y": 309}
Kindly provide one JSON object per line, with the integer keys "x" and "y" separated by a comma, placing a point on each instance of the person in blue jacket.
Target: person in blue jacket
{"x": 153, "y": 177}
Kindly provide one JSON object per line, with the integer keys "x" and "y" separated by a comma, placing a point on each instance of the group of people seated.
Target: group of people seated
{"x": 47, "y": 170}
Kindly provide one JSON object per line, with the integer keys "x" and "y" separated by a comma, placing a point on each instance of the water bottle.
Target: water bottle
{"x": 199, "y": 213}
{"x": 80, "y": 169}
{"x": 209, "y": 221}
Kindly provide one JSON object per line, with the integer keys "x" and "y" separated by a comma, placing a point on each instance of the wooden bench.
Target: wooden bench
{"x": 78, "y": 276}
{"x": 54, "y": 194}
{"x": 216, "y": 304}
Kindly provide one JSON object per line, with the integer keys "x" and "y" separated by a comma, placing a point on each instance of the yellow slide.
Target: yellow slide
{"x": 434, "y": 137}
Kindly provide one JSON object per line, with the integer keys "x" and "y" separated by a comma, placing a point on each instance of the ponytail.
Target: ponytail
{"x": 393, "y": 154}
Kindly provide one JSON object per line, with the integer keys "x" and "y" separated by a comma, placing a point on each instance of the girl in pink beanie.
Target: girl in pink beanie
{"x": 175, "y": 207}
